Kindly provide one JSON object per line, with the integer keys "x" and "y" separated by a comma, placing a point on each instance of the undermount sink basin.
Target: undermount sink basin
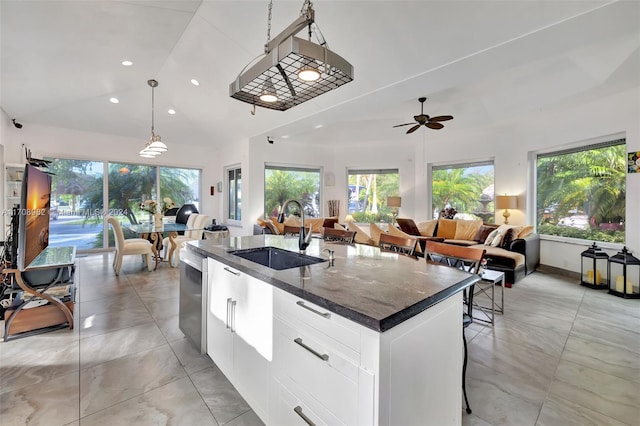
{"x": 276, "y": 258}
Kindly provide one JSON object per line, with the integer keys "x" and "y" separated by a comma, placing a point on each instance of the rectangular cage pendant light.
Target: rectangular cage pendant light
{"x": 278, "y": 73}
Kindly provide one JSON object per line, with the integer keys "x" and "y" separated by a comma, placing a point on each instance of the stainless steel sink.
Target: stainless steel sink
{"x": 276, "y": 258}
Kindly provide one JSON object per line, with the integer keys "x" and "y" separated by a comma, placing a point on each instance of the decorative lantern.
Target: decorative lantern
{"x": 623, "y": 273}
{"x": 593, "y": 268}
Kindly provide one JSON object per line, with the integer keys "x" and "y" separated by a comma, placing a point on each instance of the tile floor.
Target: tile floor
{"x": 561, "y": 354}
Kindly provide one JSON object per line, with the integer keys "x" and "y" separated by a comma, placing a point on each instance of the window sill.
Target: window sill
{"x": 581, "y": 242}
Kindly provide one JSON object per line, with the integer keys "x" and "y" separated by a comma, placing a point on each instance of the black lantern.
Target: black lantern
{"x": 593, "y": 268}
{"x": 623, "y": 273}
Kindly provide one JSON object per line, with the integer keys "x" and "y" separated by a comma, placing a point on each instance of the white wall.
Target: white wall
{"x": 64, "y": 143}
{"x": 509, "y": 145}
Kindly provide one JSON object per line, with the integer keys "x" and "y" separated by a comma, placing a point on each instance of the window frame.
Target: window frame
{"x": 294, "y": 168}
{"x": 580, "y": 146}
{"x": 459, "y": 165}
{"x": 235, "y": 168}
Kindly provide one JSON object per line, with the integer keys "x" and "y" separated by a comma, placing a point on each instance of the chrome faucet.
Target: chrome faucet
{"x": 304, "y": 240}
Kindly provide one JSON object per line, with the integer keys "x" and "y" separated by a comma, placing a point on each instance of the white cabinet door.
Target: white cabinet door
{"x": 224, "y": 288}
{"x": 254, "y": 343}
{"x": 240, "y": 331}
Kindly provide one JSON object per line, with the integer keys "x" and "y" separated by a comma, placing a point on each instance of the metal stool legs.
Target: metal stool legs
{"x": 464, "y": 373}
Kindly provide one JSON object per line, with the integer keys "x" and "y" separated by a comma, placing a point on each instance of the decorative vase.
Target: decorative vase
{"x": 157, "y": 220}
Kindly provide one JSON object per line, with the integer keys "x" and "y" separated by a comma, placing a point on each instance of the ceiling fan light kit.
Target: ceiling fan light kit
{"x": 154, "y": 146}
{"x": 424, "y": 120}
{"x": 297, "y": 69}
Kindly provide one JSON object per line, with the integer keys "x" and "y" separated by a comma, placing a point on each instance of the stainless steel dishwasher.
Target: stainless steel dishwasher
{"x": 192, "y": 318}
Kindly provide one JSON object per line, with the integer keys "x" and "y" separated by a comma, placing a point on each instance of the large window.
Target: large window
{"x": 74, "y": 219}
{"x": 581, "y": 192}
{"x": 367, "y": 192}
{"x": 234, "y": 193}
{"x": 463, "y": 190}
{"x": 282, "y": 183}
{"x": 78, "y": 197}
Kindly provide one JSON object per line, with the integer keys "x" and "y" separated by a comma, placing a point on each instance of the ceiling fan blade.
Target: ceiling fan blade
{"x": 405, "y": 124}
{"x": 434, "y": 126}
{"x": 413, "y": 129}
{"x": 441, "y": 118}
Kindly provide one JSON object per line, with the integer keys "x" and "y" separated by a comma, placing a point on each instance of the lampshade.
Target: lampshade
{"x": 394, "y": 201}
{"x": 506, "y": 202}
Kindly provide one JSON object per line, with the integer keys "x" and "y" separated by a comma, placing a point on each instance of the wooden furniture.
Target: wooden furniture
{"x": 338, "y": 235}
{"x": 54, "y": 267}
{"x": 467, "y": 259}
{"x": 401, "y": 245}
{"x": 129, "y": 246}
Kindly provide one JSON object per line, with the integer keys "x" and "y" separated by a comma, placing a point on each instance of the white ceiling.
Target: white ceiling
{"x": 481, "y": 61}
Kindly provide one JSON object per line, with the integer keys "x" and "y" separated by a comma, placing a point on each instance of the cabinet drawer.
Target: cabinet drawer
{"x": 295, "y": 310}
{"x": 298, "y": 409}
{"x": 319, "y": 368}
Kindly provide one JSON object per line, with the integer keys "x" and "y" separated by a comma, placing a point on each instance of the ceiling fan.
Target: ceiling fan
{"x": 422, "y": 119}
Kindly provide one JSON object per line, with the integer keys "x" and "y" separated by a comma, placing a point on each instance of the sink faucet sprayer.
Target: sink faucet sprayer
{"x": 304, "y": 240}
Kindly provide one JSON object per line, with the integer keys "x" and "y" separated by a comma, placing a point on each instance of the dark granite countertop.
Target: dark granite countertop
{"x": 375, "y": 289}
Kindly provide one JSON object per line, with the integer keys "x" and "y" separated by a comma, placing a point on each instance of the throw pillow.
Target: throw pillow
{"x": 375, "y": 233}
{"x": 466, "y": 229}
{"x": 526, "y": 231}
{"x": 427, "y": 227}
{"x": 446, "y": 228}
{"x": 408, "y": 226}
{"x": 338, "y": 226}
{"x": 502, "y": 230}
{"x": 491, "y": 237}
{"x": 484, "y": 232}
{"x": 361, "y": 236}
{"x": 510, "y": 236}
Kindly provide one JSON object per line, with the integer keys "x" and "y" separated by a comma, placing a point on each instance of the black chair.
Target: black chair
{"x": 183, "y": 213}
{"x": 467, "y": 259}
{"x": 171, "y": 212}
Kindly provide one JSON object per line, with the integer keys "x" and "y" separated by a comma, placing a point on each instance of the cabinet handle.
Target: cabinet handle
{"x": 322, "y": 314}
{"x": 237, "y": 274}
{"x": 233, "y": 316}
{"x": 306, "y": 419}
{"x": 323, "y": 357}
{"x": 228, "y": 313}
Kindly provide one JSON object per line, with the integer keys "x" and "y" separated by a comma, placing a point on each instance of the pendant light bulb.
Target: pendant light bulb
{"x": 268, "y": 91}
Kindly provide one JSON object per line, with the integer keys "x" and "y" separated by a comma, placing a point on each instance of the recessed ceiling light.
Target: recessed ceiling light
{"x": 127, "y": 63}
{"x": 319, "y": 126}
{"x": 114, "y": 100}
{"x": 285, "y": 136}
{"x": 195, "y": 82}
{"x": 172, "y": 111}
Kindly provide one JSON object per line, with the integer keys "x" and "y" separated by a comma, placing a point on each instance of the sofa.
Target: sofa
{"x": 514, "y": 250}
{"x": 271, "y": 226}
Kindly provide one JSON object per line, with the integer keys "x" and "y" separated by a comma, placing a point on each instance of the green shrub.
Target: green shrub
{"x": 585, "y": 234}
{"x": 381, "y": 216}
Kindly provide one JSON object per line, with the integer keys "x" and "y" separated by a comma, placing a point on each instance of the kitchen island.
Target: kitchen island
{"x": 371, "y": 338}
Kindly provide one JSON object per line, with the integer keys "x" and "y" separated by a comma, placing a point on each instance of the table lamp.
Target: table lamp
{"x": 506, "y": 202}
{"x": 395, "y": 202}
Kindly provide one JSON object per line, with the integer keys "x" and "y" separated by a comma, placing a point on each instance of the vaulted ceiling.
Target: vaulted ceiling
{"x": 481, "y": 61}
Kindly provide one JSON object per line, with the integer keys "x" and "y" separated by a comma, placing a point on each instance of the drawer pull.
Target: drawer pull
{"x": 322, "y": 314}
{"x": 237, "y": 274}
{"x": 323, "y": 357}
{"x": 306, "y": 419}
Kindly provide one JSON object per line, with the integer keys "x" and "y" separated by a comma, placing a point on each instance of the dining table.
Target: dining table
{"x": 155, "y": 234}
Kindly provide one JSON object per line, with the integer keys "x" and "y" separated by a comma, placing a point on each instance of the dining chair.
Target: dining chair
{"x": 129, "y": 246}
{"x": 194, "y": 232}
{"x": 469, "y": 260}
{"x": 400, "y": 245}
{"x": 337, "y": 235}
{"x": 290, "y": 230}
